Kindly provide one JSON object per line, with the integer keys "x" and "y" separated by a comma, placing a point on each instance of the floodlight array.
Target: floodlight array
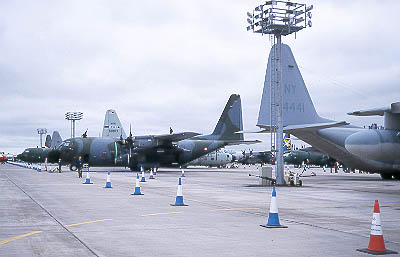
{"x": 279, "y": 17}
{"x": 73, "y": 115}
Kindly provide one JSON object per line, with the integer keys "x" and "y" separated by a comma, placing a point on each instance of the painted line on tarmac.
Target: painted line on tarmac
{"x": 20, "y": 236}
{"x": 161, "y": 213}
{"x": 87, "y": 222}
{"x": 52, "y": 216}
{"x": 236, "y": 209}
{"x": 352, "y": 206}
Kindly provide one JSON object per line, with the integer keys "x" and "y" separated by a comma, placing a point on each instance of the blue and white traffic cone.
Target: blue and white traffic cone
{"x": 87, "y": 181}
{"x": 108, "y": 183}
{"x": 137, "y": 186}
{"x": 143, "y": 177}
{"x": 39, "y": 168}
{"x": 183, "y": 172}
{"x": 273, "y": 217}
{"x": 151, "y": 174}
{"x": 179, "y": 195}
{"x": 155, "y": 171}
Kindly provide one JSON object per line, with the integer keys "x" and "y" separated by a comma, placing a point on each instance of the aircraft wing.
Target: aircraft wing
{"x": 242, "y": 142}
{"x": 370, "y": 112}
{"x": 175, "y": 137}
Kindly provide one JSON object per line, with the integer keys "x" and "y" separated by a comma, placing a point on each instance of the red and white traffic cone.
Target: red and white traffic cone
{"x": 151, "y": 174}
{"x": 376, "y": 244}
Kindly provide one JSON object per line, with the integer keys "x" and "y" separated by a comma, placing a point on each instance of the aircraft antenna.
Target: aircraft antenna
{"x": 278, "y": 18}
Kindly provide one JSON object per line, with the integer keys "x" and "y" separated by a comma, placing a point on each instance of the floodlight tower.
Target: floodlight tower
{"x": 73, "y": 116}
{"x": 278, "y": 18}
{"x": 41, "y": 132}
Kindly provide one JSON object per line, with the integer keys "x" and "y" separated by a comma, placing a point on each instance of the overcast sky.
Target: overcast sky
{"x": 175, "y": 63}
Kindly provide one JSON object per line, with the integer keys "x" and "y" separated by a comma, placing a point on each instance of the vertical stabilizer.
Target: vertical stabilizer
{"x": 112, "y": 126}
{"x": 287, "y": 144}
{"x": 297, "y": 107}
{"x": 56, "y": 140}
{"x": 229, "y": 123}
{"x": 48, "y": 141}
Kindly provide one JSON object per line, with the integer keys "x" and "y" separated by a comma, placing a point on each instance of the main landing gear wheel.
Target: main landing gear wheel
{"x": 73, "y": 167}
{"x": 386, "y": 176}
{"x": 397, "y": 176}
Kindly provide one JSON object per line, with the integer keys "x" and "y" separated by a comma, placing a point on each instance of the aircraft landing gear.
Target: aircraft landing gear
{"x": 73, "y": 167}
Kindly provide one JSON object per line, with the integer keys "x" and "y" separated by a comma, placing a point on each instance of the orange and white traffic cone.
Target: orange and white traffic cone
{"x": 376, "y": 244}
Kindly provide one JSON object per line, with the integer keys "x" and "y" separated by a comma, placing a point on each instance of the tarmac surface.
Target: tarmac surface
{"x": 54, "y": 214}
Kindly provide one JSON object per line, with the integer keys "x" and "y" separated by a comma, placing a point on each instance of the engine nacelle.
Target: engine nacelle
{"x": 374, "y": 144}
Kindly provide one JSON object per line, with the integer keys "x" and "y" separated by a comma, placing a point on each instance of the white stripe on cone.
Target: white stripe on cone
{"x": 376, "y": 228}
{"x": 137, "y": 182}
{"x": 108, "y": 178}
{"x": 273, "y": 208}
{"x": 180, "y": 191}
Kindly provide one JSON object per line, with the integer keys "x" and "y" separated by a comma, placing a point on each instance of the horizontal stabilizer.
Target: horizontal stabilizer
{"x": 370, "y": 112}
{"x": 306, "y": 127}
{"x": 242, "y": 142}
{"x": 394, "y": 109}
{"x": 256, "y": 131}
{"x": 176, "y": 136}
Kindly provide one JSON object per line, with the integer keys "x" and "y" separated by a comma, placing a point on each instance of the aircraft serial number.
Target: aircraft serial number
{"x": 293, "y": 107}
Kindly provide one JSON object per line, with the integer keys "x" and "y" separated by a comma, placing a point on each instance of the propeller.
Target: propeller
{"x": 129, "y": 139}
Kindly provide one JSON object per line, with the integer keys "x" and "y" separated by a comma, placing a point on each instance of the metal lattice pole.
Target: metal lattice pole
{"x": 278, "y": 18}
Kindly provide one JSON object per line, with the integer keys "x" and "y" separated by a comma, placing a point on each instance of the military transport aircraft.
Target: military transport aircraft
{"x": 112, "y": 128}
{"x": 218, "y": 158}
{"x": 255, "y": 157}
{"x": 309, "y": 156}
{"x": 148, "y": 151}
{"x": 372, "y": 150}
{"x": 38, "y": 155}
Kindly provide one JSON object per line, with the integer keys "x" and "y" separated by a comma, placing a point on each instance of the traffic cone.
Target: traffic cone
{"x": 137, "y": 186}
{"x": 376, "y": 244}
{"x": 155, "y": 171}
{"x": 39, "y": 168}
{"x": 87, "y": 181}
{"x": 183, "y": 172}
{"x": 151, "y": 173}
{"x": 108, "y": 183}
{"x": 273, "y": 217}
{"x": 143, "y": 177}
{"x": 179, "y": 195}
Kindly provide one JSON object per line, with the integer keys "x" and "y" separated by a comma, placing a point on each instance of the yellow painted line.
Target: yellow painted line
{"x": 236, "y": 209}
{"x": 87, "y": 222}
{"x": 18, "y": 237}
{"x": 161, "y": 213}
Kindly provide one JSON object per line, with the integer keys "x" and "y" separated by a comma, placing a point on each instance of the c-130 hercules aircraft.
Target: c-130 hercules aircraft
{"x": 375, "y": 151}
{"x": 149, "y": 151}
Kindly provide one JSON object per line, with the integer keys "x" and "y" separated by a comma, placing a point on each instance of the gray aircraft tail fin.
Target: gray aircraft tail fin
{"x": 47, "y": 143}
{"x": 297, "y": 108}
{"x": 56, "y": 140}
{"x": 229, "y": 123}
{"x": 112, "y": 126}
